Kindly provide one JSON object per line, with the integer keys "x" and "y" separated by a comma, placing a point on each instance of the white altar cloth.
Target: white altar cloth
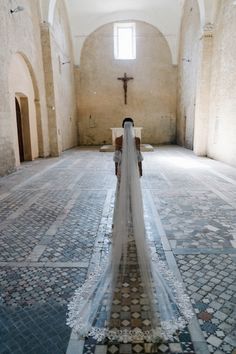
{"x": 116, "y": 132}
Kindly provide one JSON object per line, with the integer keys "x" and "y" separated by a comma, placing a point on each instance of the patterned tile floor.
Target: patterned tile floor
{"x": 130, "y": 310}
{"x": 55, "y": 220}
{"x": 210, "y": 281}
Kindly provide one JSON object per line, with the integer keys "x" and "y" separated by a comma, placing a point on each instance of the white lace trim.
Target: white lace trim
{"x": 81, "y": 295}
{"x": 182, "y": 299}
{"x": 166, "y": 330}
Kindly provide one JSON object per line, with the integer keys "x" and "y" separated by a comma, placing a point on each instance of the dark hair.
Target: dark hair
{"x": 127, "y": 119}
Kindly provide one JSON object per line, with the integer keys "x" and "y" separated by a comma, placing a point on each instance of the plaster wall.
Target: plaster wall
{"x": 187, "y": 72}
{"x": 20, "y": 33}
{"x": 222, "y": 117}
{"x": 151, "y": 94}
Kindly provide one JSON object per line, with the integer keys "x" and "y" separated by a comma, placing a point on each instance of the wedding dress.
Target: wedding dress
{"x": 169, "y": 306}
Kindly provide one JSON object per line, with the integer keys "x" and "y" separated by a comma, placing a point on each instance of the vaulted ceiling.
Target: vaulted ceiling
{"x": 85, "y": 16}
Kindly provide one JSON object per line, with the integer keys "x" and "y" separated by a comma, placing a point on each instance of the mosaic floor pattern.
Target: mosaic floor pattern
{"x": 130, "y": 310}
{"x": 55, "y": 220}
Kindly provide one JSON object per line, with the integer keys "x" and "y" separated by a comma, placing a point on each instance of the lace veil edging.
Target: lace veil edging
{"x": 170, "y": 307}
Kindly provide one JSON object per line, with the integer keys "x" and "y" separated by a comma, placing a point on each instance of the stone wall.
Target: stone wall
{"x": 206, "y": 83}
{"x": 62, "y": 76}
{"x": 37, "y": 64}
{"x": 222, "y": 117}
{"x": 20, "y": 33}
{"x": 31, "y": 59}
{"x": 151, "y": 95}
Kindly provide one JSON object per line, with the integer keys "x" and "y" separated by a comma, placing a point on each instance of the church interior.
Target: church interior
{"x": 71, "y": 70}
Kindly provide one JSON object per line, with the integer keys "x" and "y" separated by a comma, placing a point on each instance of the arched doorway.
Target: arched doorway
{"x": 25, "y": 125}
{"x": 23, "y": 128}
{"x": 19, "y": 131}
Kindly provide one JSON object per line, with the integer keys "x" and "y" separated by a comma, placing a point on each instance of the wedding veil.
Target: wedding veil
{"x": 170, "y": 308}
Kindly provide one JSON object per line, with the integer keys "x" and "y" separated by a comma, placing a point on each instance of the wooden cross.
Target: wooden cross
{"x": 125, "y": 80}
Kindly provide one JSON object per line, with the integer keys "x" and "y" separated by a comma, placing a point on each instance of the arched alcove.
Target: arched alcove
{"x": 48, "y": 8}
{"x": 37, "y": 105}
{"x": 151, "y": 94}
{"x": 22, "y": 86}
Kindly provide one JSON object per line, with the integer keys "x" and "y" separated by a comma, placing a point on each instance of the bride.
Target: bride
{"x": 168, "y": 308}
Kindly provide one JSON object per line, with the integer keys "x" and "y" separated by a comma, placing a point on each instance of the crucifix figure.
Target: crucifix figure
{"x": 125, "y": 80}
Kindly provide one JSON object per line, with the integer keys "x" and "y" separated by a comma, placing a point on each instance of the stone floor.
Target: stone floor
{"x": 55, "y": 220}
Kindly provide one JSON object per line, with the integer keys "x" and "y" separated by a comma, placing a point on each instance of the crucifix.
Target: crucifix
{"x": 125, "y": 80}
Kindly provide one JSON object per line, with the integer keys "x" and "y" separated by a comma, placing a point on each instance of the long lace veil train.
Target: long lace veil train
{"x": 170, "y": 307}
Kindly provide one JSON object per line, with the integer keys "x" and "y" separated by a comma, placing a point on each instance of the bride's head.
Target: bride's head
{"x": 127, "y": 119}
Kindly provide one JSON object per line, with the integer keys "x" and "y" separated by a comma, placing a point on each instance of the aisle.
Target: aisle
{"x": 55, "y": 218}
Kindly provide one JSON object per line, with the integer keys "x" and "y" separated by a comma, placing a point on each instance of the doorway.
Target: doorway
{"x": 19, "y": 130}
{"x": 23, "y": 128}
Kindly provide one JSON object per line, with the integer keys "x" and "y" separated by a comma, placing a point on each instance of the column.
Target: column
{"x": 203, "y": 92}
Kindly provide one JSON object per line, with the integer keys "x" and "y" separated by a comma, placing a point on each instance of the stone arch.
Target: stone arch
{"x": 49, "y": 11}
{"x": 123, "y": 18}
{"x": 23, "y": 86}
{"x": 151, "y": 98}
{"x": 129, "y": 17}
{"x": 23, "y": 126}
{"x": 128, "y": 20}
{"x": 37, "y": 105}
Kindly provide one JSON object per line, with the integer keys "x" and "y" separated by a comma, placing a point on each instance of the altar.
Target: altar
{"x": 116, "y": 132}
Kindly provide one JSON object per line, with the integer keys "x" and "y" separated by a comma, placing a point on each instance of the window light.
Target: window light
{"x": 124, "y": 41}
